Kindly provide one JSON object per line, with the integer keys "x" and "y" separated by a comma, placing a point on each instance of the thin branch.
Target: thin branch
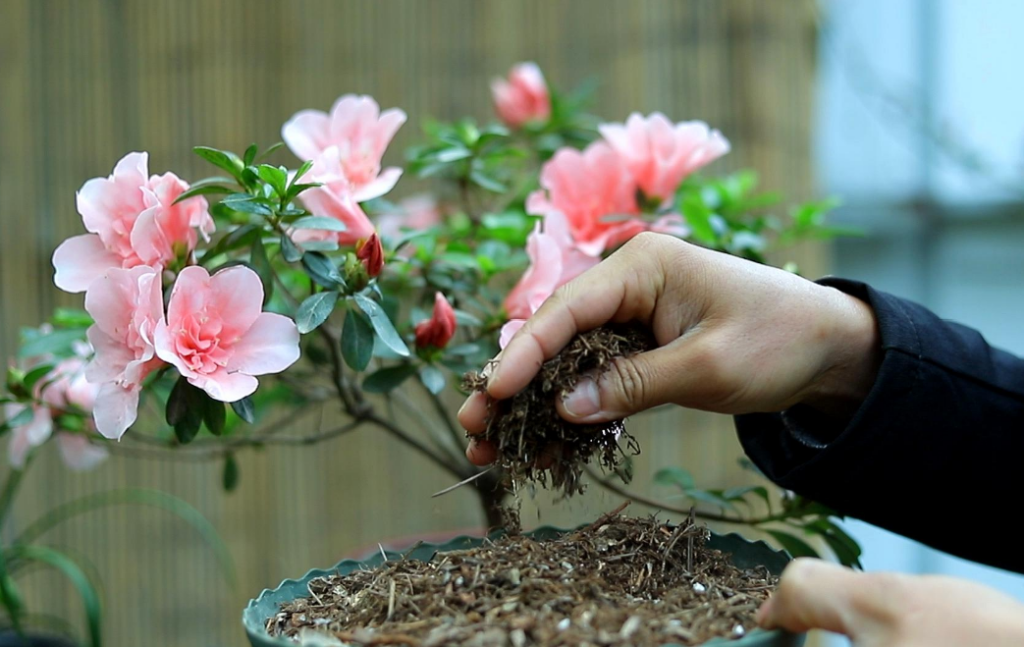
{"x": 458, "y": 439}
{"x": 438, "y": 435}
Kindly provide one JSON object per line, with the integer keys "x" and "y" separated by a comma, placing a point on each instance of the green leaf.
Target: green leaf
{"x": 357, "y": 340}
{"x": 275, "y": 177}
{"x": 77, "y": 577}
{"x": 72, "y": 318}
{"x": 269, "y": 151}
{"x": 215, "y": 415}
{"x": 322, "y": 223}
{"x": 209, "y": 189}
{"x": 454, "y": 154}
{"x": 463, "y": 318}
{"x": 698, "y": 218}
{"x": 845, "y": 547}
{"x": 53, "y": 343}
{"x": 322, "y": 270}
{"x": 36, "y": 374}
{"x": 289, "y": 250}
{"x": 387, "y": 379}
{"x": 308, "y": 164}
{"x": 250, "y": 154}
{"x": 221, "y": 159}
{"x": 233, "y": 240}
{"x": 245, "y": 409}
{"x": 712, "y": 497}
{"x": 247, "y": 204}
{"x": 792, "y": 544}
{"x": 432, "y": 378}
{"x": 674, "y": 476}
{"x": 132, "y": 496}
{"x": 261, "y": 265}
{"x": 385, "y": 329}
{"x": 487, "y": 182}
{"x": 229, "y": 477}
{"x": 315, "y": 310}
{"x": 185, "y": 410}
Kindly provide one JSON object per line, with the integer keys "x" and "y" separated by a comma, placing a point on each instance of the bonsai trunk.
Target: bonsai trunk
{"x": 492, "y": 491}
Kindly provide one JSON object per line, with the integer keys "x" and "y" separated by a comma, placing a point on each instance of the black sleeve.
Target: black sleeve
{"x": 935, "y": 452}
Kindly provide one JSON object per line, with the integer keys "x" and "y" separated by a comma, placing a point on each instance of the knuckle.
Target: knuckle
{"x": 631, "y": 380}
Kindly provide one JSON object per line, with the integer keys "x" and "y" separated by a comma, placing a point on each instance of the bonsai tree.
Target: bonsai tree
{"x": 277, "y": 287}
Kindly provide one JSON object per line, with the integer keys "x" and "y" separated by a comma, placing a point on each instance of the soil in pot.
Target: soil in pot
{"x": 617, "y": 582}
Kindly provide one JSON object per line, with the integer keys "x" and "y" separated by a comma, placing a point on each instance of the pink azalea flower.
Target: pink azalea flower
{"x": 334, "y": 200}
{"x": 417, "y": 213}
{"x": 217, "y": 336}
{"x": 594, "y": 191}
{"x": 127, "y": 306}
{"x": 62, "y": 389}
{"x": 347, "y": 145}
{"x": 660, "y": 154}
{"x": 554, "y": 261}
{"x": 133, "y": 222}
{"x": 523, "y": 97}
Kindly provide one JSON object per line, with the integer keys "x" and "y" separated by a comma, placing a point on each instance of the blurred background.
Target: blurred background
{"x": 908, "y": 110}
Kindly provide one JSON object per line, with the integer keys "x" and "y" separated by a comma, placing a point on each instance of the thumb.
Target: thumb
{"x": 628, "y": 386}
{"x": 813, "y": 594}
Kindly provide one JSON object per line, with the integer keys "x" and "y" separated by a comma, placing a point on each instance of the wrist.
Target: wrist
{"x": 852, "y": 355}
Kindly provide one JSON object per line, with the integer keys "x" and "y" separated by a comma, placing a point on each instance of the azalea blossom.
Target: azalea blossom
{"x": 334, "y": 201}
{"x": 127, "y": 306}
{"x": 523, "y": 97}
{"x": 347, "y": 145}
{"x": 437, "y": 331}
{"x": 416, "y": 213}
{"x": 660, "y": 154}
{"x": 133, "y": 221}
{"x": 595, "y": 193}
{"x": 217, "y": 336}
{"x": 63, "y": 388}
{"x": 554, "y": 261}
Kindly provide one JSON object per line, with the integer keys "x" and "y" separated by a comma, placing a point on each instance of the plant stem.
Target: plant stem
{"x": 437, "y": 458}
{"x": 457, "y": 438}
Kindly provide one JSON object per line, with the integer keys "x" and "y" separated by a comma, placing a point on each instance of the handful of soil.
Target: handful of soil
{"x": 618, "y": 582}
{"x": 534, "y": 443}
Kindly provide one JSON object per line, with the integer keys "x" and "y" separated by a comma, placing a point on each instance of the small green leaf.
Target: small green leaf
{"x": 209, "y": 189}
{"x": 22, "y": 418}
{"x": 357, "y": 340}
{"x": 322, "y": 270}
{"x": 322, "y": 223}
{"x": 792, "y": 544}
{"x": 36, "y": 374}
{"x": 463, "y": 318}
{"x": 232, "y": 240}
{"x": 302, "y": 170}
{"x": 221, "y": 159}
{"x": 487, "y": 182}
{"x": 275, "y": 177}
{"x": 698, "y": 218}
{"x": 185, "y": 410}
{"x": 72, "y": 318}
{"x": 250, "y": 154}
{"x": 315, "y": 310}
{"x": 229, "y": 478}
{"x": 261, "y": 265}
{"x": 265, "y": 154}
{"x": 245, "y": 409}
{"x": 385, "y": 329}
{"x": 247, "y": 204}
{"x": 289, "y": 250}
{"x": 387, "y": 379}
{"x": 675, "y": 476}
{"x": 712, "y": 497}
{"x": 55, "y": 343}
{"x": 214, "y": 415}
{"x": 432, "y": 378}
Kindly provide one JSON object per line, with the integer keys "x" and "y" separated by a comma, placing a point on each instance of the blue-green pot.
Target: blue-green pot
{"x": 745, "y": 554}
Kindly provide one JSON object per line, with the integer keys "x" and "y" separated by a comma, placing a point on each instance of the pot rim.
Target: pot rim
{"x": 254, "y": 620}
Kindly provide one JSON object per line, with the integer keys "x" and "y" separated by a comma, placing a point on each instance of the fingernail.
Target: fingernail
{"x": 463, "y": 407}
{"x": 584, "y": 400}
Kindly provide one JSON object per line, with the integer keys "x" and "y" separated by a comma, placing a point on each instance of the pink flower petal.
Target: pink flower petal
{"x": 236, "y": 294}
{"x": 80, "y": 260}
{"x": 378, "y": 187}
{"x": 225, "y": 386}
{"x": 116, "y": 410}
{"x": 509, "y": 330}
{"x": 270, "y": 346}
{"x": 307, "y": 133}
{"x": 111, "y": 358}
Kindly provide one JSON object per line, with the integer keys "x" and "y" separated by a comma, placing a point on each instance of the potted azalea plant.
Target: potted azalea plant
{"x": 272, "y": 287}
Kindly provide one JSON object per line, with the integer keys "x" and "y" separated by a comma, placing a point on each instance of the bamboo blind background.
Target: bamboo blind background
{"x": 81, "y": 83}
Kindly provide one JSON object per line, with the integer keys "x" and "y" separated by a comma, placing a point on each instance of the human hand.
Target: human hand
{"x": 892, "y": 610}
{"x": 734, "y": 337}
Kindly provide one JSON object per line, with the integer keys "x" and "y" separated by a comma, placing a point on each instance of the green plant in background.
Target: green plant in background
{"x": 273, "y": 289}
